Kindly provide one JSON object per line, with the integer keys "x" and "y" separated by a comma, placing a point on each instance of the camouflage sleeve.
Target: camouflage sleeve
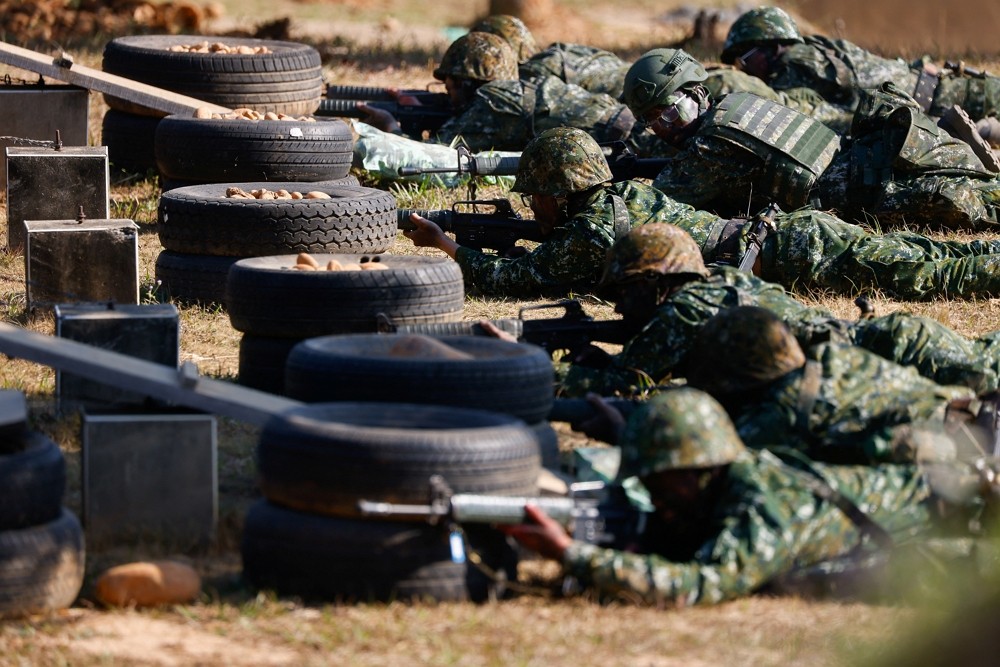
{"x": 481, "y": 127}
{"x": 698, "y": 175}
{"x": 742, "y": 561}
{"x": 648, "y": 359}
{"x": 571, "y": 260}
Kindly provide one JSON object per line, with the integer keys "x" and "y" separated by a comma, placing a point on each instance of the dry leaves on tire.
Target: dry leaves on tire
{"x": 306, "y": 262}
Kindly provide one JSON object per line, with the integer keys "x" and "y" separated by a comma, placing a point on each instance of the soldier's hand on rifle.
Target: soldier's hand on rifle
{"x": 591, "y": 356}
{"x": 496, "y": 331}
{"x": 606, "y": 425}
{"x": 403, "y": 98}
{"x": 540, "y": 533}
{"x": 380, "y": 119}
{"x": 429, "y": 235}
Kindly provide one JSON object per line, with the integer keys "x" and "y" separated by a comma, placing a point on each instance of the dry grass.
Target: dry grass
{"x": 232, "y": 625}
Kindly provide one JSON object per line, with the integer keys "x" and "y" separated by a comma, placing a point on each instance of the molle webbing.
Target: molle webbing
{"x": 800, "y": 148}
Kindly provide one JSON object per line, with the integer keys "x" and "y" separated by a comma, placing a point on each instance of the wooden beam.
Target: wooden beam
{"x": 64, "y": 69}
{"x": 183, "y": 386}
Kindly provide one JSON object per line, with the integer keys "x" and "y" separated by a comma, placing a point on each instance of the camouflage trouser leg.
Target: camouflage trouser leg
{"x": 936, "y": 351}
{"x": 813, "y": 249}
{"x": 914, "y": 267}
{"x": 941, "y": 202}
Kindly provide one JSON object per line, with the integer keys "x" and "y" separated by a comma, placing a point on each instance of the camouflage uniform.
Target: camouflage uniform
{"x": 570, "y": 259}
{"x": 595, "y": 70}
{"x": 816, "y": 250}
{"x": 724, "y": 80}
{"x": 934, "y": 179}
{"x": 833, "y": 402}
{"x": 838, "y": 69}
{"x": 507, "y": 114}
{"x": 661, "y": 349}
{"x": 762, "y": 519}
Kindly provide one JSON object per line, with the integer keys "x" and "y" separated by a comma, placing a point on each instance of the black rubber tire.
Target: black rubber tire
{"x": 173, "y": 184}
{"x": 200, "y": 219}
{"x": 187, "y": 278}
{"x": 223, "y": 151}
{"x": 323, "y": 458}
{"x": 129, "y": 138}
{"x": 266, "y": 298}
{"x": 289, "y": 80}
{"x": 41, "y": 568}
{"x": 351, "y": 560}
{"x": 32, "y": 482}
{"x": 513, "y": 378}
{"x": 548, "y": 444}
{"x": 262, "y": 362}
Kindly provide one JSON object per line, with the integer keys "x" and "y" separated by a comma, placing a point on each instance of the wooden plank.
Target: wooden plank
{"x": 62, "y": 69}
{"x": 179, "y": 386}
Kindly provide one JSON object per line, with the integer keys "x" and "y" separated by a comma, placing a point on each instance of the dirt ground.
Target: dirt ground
{"x": 230, "y": 626}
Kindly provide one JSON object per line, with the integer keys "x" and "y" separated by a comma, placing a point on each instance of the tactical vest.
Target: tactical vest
{"x": 892, "y": 139}
{"x": 793, "y": 148}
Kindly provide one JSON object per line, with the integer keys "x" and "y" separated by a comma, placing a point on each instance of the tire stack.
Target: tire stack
{"x": 204, "y": 232}
{"x": 460, "y": 371}
{"x": 276, "y": 307}
{"x": 286, "y": 80}
{"x": 41, "y": 542}
{"x": 308, "y": 538}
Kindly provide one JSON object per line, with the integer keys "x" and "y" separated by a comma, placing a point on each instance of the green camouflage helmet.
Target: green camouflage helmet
{"x": 653, "y": 248}
{"x": 479, "y": 56}
{"x": 511, "y": 29}
{"x": 677, "y": 429}
{"x": 656, "y": 76}
{"x": 757, "y": 27}
{"x": 561, "y": 161}
{"x": 743, "y": 348}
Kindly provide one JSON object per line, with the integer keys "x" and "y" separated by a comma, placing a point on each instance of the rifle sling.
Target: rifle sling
{"x": 623, "y": 223}
{"x": 867, "y": 526}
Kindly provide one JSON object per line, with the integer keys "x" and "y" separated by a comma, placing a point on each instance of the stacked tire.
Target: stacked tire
{"x": 286, "y": 79}
{"x": 472, "y": 372}
{"x": 231, "y": 150}
{"x": 276, "y": 307}
{"x": 308, "y": 538}
{"x": 41, "y": 542}
{"x": 204, "y": 232}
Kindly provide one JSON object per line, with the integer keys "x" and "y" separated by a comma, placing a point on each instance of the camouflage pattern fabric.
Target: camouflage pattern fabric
{"x": 505, "y": 115}
{"x": 838, "y": 70}
{"x": 724, "y": 80}
{"x": 595, "y": 70}
{"x": 933, "y": 179}
{"x": 571, "y": 260}
{"x": 816, "y": 250}
{"x": 766, "y": 522}
{"x": 863, "y": 412}
{"x": 659, "y": 351}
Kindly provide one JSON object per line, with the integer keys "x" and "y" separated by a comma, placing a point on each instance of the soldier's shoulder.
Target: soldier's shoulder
{"x": 503, "y": 96}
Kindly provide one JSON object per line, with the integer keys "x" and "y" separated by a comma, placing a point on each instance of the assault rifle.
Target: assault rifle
{"x": 760, "y": 226}
{"x": 960, "y": 68}
{"x": 433, "y": 111}
{"x": 571, "y": 332}
{"x": 499, "y": 230}
{"x": 622, "y": 160}
{"x": 596, "y": 512}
